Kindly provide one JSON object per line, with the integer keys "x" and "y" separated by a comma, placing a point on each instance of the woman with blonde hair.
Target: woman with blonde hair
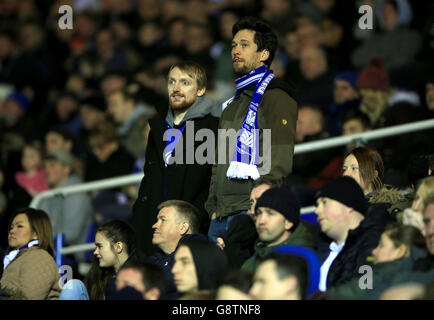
{"x": 29, "y": 268}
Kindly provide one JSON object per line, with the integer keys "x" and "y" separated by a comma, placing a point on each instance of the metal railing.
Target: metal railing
{"x": 299, "y": 148}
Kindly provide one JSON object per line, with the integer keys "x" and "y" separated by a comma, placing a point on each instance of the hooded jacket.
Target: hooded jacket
{"x": 188, "y": 182}
{"x": 166, "y": 261}
{"x": 304, "y": 235}
{"x": 277, "y": 111}
{"x": 210, "y": 262}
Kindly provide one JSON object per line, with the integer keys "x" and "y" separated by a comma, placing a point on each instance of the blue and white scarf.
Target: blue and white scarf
{"x": 245, "y": 159}
{"x": 12, "y": 255}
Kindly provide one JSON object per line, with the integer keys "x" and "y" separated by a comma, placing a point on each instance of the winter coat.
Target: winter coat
{"x": 277, "y": 111}
{"x": 383, "y": 274}
{"x": 33, "y": 274}
{"x": 188, "y": 182}
{"x": 304, "y": 235}
{"x": 358, "y": 246}
{"x": 240, "y": 240}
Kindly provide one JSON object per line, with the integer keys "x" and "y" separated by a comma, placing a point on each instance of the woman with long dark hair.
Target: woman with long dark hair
{"x": 115, "y": 244}
{"x": 29, "y": 270}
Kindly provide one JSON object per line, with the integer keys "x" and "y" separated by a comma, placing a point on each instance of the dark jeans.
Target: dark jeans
{"x": 218, "y": 227}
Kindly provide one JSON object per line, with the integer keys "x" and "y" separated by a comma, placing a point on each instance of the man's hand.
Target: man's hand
{"x": 220, "y": 243}
{"x": 213, "y": 216}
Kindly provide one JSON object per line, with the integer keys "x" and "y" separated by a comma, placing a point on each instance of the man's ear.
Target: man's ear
{"x": 291, "y": 285}
{"x": 184, "y": 227}
{"x": 201, "y": 92}
{"x": 288, "y": 225}
{"x": 152, "y": 294}
{"x": 265, "y": 54}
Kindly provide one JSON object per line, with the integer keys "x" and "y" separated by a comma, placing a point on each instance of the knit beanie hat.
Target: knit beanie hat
{"x": 374, "y": 76}
{"x": 345, "y": 190}
{"x": 349, "y": 76}
{"x": 20, "y": 98}
{"x": 282, "y": 200}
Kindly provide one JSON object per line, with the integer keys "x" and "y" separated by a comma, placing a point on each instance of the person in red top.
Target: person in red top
{"x": 32, "y": 178}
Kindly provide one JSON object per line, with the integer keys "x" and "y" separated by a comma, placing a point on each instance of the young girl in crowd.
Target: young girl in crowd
{"x": 115, "y": 244}
{"x": 32, "y": 179}
{"x": 29, "y": 270}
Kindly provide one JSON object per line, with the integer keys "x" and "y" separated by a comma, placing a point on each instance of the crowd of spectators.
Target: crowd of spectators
{"x": 75, "y": 104}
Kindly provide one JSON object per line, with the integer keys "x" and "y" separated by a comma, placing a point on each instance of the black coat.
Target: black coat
{"x": 358, "y": 246}
{"x": 188, "y": 182}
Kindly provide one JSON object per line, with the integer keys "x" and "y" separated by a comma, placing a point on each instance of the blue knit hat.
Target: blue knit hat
{"x": 349, "y": 76}
{"x": 20, "y": 98}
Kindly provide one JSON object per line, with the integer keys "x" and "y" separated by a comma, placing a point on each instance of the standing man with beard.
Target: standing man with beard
{"x": 172, "y": 171}
{"x": 260, "y": 102}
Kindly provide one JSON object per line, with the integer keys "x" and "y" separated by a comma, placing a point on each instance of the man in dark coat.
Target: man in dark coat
{"x": 187, "y": 177}
{"x": 176, "y": 220}
{"x": 354, "y": 232}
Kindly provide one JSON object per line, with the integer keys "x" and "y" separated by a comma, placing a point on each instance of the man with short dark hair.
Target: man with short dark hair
{"x": 144, "y": 277}
{"x": 260, "y": 102}
{"x": 173, "y": 169}
{"x": 280, "y": 277}
{"x": 176, "y": 220}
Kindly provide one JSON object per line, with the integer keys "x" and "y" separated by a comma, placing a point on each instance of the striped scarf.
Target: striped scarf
{"x": 245, "y": 159}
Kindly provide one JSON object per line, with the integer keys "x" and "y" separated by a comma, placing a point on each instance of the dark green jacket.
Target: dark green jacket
{"x": 278, "y": 112}
{"x": 302, "y": 236}
{"x": 384, "y": 275}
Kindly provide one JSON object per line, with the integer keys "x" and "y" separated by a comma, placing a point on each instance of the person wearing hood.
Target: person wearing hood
{"x": 277, "y": 219}
{"x": 168, "y": 172}
{"x": 199, "y": 265}
{"x": 176, "y": 220}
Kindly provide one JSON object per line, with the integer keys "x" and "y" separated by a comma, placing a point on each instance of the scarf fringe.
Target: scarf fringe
{"x": 240, "y": 170}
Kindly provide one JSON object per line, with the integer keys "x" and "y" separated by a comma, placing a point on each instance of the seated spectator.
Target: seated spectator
{"x": 128, "y": 110}
{"x": 399, "y": 247}
{"x": 365, "y": 165}
{"x": 198, "y": 266}
{"x": 280, "y": 277}
{"x": 30, "y": 272}
{"x": 374, "y": 87}
{"x": 341, "y": 210}
{"x": 92, "y": 112}
{"x": 111, "y": 159}
{"x": 32, "y": 178}
{"x": 146, "y": 278}
{"x": 355, "y": 122}
{"x": 235, "y": 285}
{"x": 316, "y": 84}
{"x": 395, "y": 43}
{"x": 115, "y": 245}
{"x": 346, "y": 98}
{"x": 277, "y": 219}
{"x": 58, "y": 138}
{"x": 70, "y": 215}
{"x": 176, "y": 220}
{"x": 413, "y": 215}
{"x": 240, "y": 237}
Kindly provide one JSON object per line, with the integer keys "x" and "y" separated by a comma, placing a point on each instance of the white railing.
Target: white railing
{"x": 299, "y": 148}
